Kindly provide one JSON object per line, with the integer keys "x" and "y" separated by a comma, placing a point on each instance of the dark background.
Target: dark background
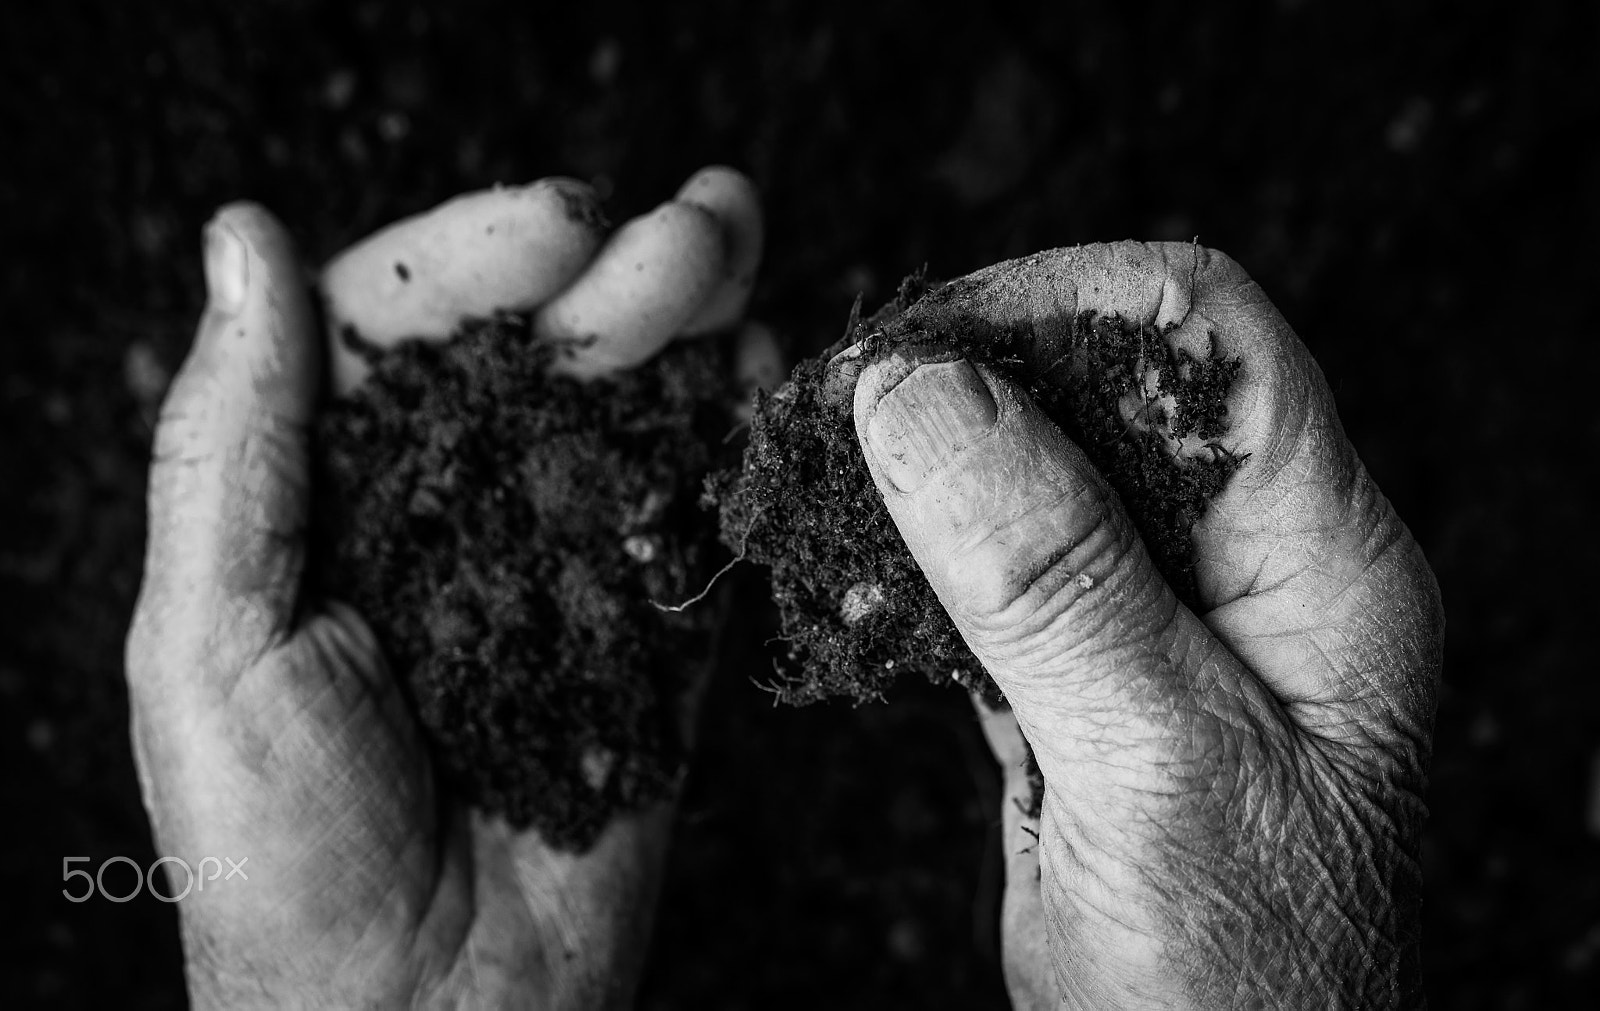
{"x": 1415, "y": 188}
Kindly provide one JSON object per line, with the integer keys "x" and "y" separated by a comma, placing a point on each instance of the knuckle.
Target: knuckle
{"x": 188, "y": 418}
{"x": 1030, "y": 604}
{"x": 1005, "y": 562}
{"x": 228, "y": 507}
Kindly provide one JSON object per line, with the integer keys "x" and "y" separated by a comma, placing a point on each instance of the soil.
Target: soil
{"x": 1421, "y": 222}
{"x": 856, "y": 612}
{"x": 505, "y": 532}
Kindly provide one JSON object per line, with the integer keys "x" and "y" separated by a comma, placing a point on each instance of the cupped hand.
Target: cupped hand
{"x": 267, "y": 726}
{"x": 1233, "y": 793}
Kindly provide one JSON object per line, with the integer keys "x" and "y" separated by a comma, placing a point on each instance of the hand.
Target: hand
{"x": 1233, "y": 794}
{"x": 268, "y": 727}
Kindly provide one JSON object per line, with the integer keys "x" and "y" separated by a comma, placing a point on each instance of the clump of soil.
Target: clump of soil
{"x": 506, "y": 532}
{"x": 855, "y": 609}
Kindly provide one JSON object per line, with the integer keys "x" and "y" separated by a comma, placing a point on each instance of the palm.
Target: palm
{"x": 392, "y": 884}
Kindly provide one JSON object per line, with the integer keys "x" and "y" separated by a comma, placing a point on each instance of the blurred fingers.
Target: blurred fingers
{"x": 646, "y": 283}
{"x": 732, "y": 199}
{"x": 686, "y": 268}
{"x": 508, "y": 248}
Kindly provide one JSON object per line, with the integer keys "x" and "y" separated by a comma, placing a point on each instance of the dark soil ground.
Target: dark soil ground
{"x": 1415, "y": 188}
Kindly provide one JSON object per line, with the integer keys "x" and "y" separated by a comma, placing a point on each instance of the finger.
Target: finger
{"x": 1029, "y": 973}
{"x": 229, "y": 480}
{"x": 758, "y": 365}
{"x": 732, "y": 199}
{"x": 645, "y": 284}
{"x": 1303, "y": 568}
{"x": 508, "y": 248}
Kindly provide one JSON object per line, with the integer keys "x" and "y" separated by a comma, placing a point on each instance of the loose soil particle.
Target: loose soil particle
{"x": 505, "y": 531}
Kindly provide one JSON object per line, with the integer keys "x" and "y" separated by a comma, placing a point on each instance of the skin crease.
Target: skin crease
{"x": 1233, "y": 795}
{"x": 268, "y": 727}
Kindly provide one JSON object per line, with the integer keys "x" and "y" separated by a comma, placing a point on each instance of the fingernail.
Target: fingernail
{"x": 227, "y": 268}
{"x": 930, "y": 415}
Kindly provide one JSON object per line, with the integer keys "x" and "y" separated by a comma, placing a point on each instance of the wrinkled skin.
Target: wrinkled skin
{"x": 1234, "y": 794}
{"x": 268, "y": 727}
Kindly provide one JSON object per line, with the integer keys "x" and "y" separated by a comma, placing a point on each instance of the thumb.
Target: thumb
{"x": 229, "y": 476}
{"x": 1039, "y": 566}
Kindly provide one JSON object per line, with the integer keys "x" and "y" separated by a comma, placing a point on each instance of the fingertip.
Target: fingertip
{"x": 651, "y": 276}
{"x": 508, "y": 248}
{"x": 874, "y": 379}
{"x": 227, "y": 267}
{"x": 917, "y": 411}
{"x": 730, "y": 197}
{"x": 257, "y": 338}
{"x": 758, "y": 364}
{"x": 261, "y": 230}
{"x": 733, "y": 199}
{"x": 710, "y": 182}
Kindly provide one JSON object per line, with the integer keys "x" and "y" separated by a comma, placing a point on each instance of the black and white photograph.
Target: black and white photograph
{"x": 719, "y": 506}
